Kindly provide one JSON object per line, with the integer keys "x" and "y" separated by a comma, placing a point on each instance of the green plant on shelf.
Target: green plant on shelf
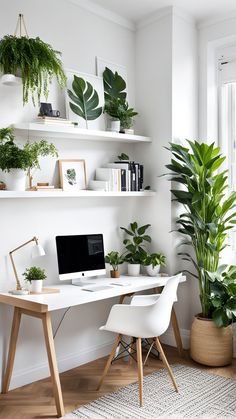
{"x": 114, "y": 259}
{"x": 154, "y": 259}
{"x": 136, "y": 243}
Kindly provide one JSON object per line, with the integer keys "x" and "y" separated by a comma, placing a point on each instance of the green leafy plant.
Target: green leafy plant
{"x": 114, "y": 85}
{"x": 34, "y": 273}
{"x": 208, "y": 212}
{"x": 135, "y": 244}
{"x": 222, "y": 298}
{"x": 34, "y": 61}
{"x": 85, "y": 99}
{"x": 126, "y": 120}
{"x": 114, "y": 259}
{"x": 154, "y": 259}
{"x": 123, "y": 156}
{"x": 27, "y": 157}
{"x": 114, "y": 107}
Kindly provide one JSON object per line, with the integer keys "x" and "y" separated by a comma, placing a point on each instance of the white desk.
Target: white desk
{"x": 40, "y": 306}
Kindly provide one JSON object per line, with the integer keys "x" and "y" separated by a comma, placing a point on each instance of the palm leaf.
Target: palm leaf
{"x": 114, "y": 85}
{"x": 85, "y": 99}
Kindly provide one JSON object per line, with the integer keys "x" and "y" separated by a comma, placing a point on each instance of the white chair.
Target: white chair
{"x": 147, "y": 316}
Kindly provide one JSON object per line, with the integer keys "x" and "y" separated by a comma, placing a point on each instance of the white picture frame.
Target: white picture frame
{"x": 97, "y": 83}
{"x": 102, "y": 63}
{"x": 72, "y": 174}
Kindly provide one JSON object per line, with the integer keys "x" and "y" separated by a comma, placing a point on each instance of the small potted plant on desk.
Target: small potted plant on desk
{"x": 153, "y": 262}
{"x": 135, "y": 246}
{"x": 114, "y": 259}
{"x": 36, "y": 277}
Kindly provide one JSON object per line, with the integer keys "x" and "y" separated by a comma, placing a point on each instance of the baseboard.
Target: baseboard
{"x": 72, "y": 360}
{"x": 169, "y": 339}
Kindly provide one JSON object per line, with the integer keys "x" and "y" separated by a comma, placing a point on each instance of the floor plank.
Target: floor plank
{"x": 35, "y": 401}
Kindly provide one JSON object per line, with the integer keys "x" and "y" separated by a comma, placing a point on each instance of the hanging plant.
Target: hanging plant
{"x": 34, "y": 61}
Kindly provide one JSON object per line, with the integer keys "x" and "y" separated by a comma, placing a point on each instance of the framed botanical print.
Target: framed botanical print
{"x": 72, "y": 175}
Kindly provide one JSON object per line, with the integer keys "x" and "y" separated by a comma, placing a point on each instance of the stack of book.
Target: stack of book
{"x": 54, "y": 121}
{"x": 120, "y": 176}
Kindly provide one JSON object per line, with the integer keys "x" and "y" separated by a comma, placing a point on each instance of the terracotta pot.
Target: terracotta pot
{"x": 115, "y": 274}
{"x": 209, "y": 344}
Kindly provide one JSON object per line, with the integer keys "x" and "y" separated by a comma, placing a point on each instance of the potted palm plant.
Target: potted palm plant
{"x": 35, "y": 276}
{"x": 153, "y": 262}
{"x": 135, "y": 246}
{"x": 114, "y": 259}
{"x": 208, "y": 216}
{"x": 16, "y": 161}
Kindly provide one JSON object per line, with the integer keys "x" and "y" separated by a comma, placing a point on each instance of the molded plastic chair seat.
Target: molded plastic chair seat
{"x": 147, "y": 316}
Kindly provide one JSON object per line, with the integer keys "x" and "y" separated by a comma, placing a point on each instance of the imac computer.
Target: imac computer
{"x": 80, "y": 257}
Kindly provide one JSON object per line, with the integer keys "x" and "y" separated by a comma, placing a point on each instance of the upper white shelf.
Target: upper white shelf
{"x": 57, "y": 131}
{"x": 65, "y": 194}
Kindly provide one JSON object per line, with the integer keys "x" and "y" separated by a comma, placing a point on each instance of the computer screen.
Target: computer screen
{"x": 80, "y": 256}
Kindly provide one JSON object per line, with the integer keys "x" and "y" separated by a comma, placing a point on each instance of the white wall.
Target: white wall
{"x": 80, "y": 36}
{"x": 166, "y": 94}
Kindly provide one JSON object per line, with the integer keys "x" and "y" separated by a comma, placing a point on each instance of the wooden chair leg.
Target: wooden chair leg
{"x": 166, "y": 364}
{"x": 176, "y": 330}
{"x": 12, "y": 349}
{"x": 48, "y": 335}
{"x": 109, "y": 361}
{"x": 140, "y": 370}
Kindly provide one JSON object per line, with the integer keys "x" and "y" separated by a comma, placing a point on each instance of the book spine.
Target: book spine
{"x": 136, "y": 165}
{"x": 132, "y": 169}
{"x": 123, "y": 180}
{"x": 140, "y": 177}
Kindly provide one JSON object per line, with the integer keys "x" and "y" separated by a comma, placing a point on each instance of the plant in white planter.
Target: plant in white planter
{"x": 135, "y": 246}
{"x": 35, "y": 276}
{"x": 16, "y": 161}
{"x": 153, "y": 262}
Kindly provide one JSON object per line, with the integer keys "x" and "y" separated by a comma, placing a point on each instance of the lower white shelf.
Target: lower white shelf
{"x": 66, "y": 194}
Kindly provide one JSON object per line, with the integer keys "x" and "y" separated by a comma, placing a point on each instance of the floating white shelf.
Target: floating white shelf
{"x": 65, "y": 194}
{"x": 35, "y": 129}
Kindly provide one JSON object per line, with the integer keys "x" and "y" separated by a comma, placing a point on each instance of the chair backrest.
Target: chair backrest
{"x": 158, "y": 314}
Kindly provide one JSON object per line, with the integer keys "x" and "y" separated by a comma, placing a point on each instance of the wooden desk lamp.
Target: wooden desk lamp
{"x": 36, "y": 252}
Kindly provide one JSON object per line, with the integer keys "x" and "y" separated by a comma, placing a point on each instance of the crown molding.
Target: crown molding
{"x": 104, "y": 13}
{"x": 214, "y": 21}
{"x": 162, "y": 13}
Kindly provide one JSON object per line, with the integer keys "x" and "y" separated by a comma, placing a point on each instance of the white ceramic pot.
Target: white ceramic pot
{"x": 133, "y": 269}
{"x": 113, "y": 125}
{"x": 153, "y": 271}
{"x": 15, "y": 180}
{"x": 11, "y": 80}
{"x": 36, "y": 285}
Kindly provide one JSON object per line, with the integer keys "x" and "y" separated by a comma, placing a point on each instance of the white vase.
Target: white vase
{"x": 36, "y": 285}
{"x": 113, "y": 125}
{"x": 153, "y": 271}
{"x": 15, "y": 180}
{"x": 11, "y": 80}
{"x": 133, "y": 269}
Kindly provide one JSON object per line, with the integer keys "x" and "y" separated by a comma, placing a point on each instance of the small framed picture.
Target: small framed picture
{"x": 72, "y": 175}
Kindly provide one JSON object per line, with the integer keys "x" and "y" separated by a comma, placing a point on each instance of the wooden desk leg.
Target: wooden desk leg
{"x": 12, "y": 349}
{"x": 48, "y": 335}
{"x": 175, "y": 326}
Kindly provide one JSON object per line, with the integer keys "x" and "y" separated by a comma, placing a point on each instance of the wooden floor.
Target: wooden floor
{"x": 78, "y": 386}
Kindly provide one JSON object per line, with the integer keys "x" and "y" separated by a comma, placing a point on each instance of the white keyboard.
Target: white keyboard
{"x": 94, "y": 288}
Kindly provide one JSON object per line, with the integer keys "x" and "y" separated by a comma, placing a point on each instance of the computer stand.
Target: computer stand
{"x": 81, "y": 282}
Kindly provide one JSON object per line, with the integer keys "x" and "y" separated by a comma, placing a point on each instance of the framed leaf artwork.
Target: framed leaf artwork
{"x": 72, "y": 174}
{"x": 85, "y": 100}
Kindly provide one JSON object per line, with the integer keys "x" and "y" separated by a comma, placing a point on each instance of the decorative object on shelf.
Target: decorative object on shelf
{"x": 102, "y": 64}
{"x": 46, "y": 110}
{"x": 123, "y": 157}
{"x": 56, "y": 120}
{"x": 31, "y": 59}
{"x": 35, "y": 276}
{"x": 205, "y": 223}
{"x": 114, "y": 259}
{"x": 36, "y": 252}
{"x": 116, "y": 105}
{"x": 153, "y": 262}
{"x": 72, "y": 175}
{"x": 99, "y": 185}
{"x": 15, "y": 161}
{"x": 87, "y": 95}
{"x": 2, "y": 186}
{"x": 134, "y": 246}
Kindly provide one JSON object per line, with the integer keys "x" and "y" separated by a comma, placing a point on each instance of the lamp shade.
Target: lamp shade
{"x": 11, "y": 80}
{"x": 37, "y": 251}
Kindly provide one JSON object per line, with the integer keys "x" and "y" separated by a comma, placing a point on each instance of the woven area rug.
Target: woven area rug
{"x": 201, "y": 395}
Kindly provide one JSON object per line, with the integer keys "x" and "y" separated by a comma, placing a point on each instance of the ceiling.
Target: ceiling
{"x": 201, "y": 10}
